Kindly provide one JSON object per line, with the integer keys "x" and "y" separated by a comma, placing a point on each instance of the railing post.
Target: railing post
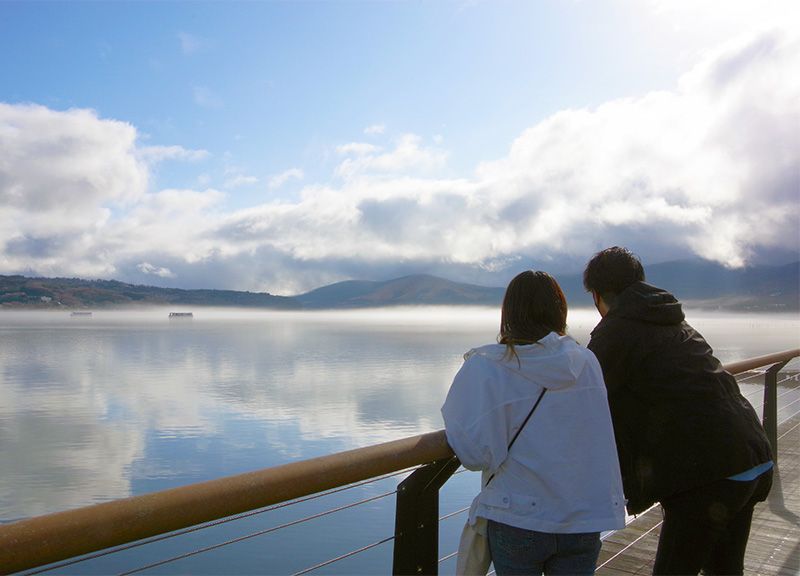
{"x": 416, "y": 544}
{"x": 769, "y": 418}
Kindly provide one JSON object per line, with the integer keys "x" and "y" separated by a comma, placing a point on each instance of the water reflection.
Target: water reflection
{"x": 127, "y": 403}
{"x": 99, "y": 408}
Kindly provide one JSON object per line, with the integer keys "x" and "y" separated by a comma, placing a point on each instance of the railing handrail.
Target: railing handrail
{"x": 52, "y": 537}
{"x": 759, "y": 361}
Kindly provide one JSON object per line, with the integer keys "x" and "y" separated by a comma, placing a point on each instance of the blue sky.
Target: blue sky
{"x": 283, "y": 145}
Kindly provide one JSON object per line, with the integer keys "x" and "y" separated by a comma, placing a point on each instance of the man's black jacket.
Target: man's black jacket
{"x": 680, "y": 420}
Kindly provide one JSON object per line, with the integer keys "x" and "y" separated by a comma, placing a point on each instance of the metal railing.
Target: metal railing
{"x": 43, "y": 540}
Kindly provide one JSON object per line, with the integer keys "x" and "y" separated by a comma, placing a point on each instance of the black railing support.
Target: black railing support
{"x": 769, "y": 419}
{"x": 416, "y": 544}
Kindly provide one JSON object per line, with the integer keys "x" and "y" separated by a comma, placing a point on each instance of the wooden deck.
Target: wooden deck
{"x": 774, "y": 545}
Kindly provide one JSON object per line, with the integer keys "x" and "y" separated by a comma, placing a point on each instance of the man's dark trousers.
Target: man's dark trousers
{"x": 707, "y": 528}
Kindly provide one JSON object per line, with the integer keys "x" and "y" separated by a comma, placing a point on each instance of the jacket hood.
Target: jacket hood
{"x": 554, "y": 361}
{"x": 645, "y": 302}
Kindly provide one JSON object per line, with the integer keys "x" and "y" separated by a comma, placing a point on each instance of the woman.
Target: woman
{"x": 559, "y": 486}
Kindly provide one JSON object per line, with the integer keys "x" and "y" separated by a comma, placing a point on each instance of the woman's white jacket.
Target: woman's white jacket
{"x": 562, "y": 474}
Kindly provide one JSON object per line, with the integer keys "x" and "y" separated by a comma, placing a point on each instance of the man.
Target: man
{"x": 686, "y": 437}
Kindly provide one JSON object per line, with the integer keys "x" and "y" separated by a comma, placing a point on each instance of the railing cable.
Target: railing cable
{"x": 199, "y": 527}
{"x": 456, "y": 513}
{"x": 785, "y": 406}
{"x": 343, "y": 556}
{"x": 757, "y": 392}
{"x": 259, "y": 533}
{"x": 751, "y": 396}
{"x": 630, "y": 544}
{"x": 789, "y": 417}
{"x": 755, "y": 374}
{"x": 374, "y": 544}
{"x": 445, "y": 558}
{"x": 778, "y": 397}
{"x": 792, "y": 429}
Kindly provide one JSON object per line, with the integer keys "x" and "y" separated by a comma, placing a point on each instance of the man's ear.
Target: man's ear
{"x": 600, "y": 304}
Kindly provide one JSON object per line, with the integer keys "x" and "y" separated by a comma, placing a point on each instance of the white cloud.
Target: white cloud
{"x": 235, "y": 176}
{"x": 240, "y": 180}
{"x": 147, "y": 268}
{"x": 74, "y": 196}
{"x": 160, "y": 153}
{"x": 170, "y": 224}
{"x": 375, "y": 129}
{"x": 710, "y": 168}
{"x": 408, "y": 156}
{"x": 357, "y": 149}
{"x": 689, "y": 171}
{"x": 280, "y": 179}
{"x": 683, "y": 164}
{"x": 66, "y": 161}
{"x": 711, "y": 14}
{"x": 62, "y": 173}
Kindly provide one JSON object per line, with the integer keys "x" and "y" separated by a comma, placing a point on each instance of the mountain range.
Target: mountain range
{"x": 74, "y": 293}
{"x": 697, "y": 283}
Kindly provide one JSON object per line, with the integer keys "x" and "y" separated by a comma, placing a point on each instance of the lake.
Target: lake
{"x": 128, "y": 402}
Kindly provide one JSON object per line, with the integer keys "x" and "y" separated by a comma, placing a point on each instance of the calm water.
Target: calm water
{"x": 124, "y": 403}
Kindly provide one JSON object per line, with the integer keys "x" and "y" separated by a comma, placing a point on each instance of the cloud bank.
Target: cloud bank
{"x": 711, "y": 168}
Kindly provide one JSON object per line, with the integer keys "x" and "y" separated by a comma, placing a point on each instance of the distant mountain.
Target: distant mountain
{"x": 22, "y": 292}
{"x": 697, "y": 283}
{"x": 409, "y": 290}
{"x": 703, "y": 284}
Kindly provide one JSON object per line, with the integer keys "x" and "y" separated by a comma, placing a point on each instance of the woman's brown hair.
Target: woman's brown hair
{"x": 533, "y": 306}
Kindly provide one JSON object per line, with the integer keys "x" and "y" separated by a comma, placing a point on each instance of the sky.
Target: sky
{"x": 281, "y": 146}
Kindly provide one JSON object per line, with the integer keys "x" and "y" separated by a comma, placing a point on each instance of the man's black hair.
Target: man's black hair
{"x": 612, "y": 270}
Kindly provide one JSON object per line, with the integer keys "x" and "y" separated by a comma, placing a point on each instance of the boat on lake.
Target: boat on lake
{"x": 78, "y": 314}
{"x": 180, "y": 315}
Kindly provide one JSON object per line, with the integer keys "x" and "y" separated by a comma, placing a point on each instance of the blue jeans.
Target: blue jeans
{"x": 520, "y": 551}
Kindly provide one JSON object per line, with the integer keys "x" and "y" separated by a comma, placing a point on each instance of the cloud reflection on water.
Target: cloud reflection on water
{"x": 126, "y": 403}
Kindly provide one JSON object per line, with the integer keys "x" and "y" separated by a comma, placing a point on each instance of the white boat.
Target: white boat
{"x": 180, "y": 315}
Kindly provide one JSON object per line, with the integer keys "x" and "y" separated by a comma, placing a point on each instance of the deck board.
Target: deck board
{"x": 774, "y": 545}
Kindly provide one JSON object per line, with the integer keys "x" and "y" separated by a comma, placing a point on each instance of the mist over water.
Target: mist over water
{"x": 128, "y": 402}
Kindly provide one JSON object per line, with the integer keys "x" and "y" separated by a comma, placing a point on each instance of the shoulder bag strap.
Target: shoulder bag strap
{"x": 514, "y": 439}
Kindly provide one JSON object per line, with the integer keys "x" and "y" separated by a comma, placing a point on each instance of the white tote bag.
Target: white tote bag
{"x": 473, "y": 550}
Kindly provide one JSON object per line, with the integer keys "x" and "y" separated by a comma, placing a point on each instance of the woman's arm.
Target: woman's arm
{"x": 474, "y": 422}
